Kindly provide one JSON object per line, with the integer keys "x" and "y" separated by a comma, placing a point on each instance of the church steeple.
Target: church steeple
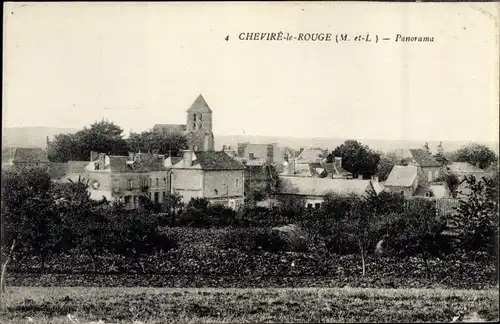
{"x": 199, "y": 125}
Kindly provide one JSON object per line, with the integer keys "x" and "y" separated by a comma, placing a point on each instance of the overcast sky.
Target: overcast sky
{"x": 67, "y": 65}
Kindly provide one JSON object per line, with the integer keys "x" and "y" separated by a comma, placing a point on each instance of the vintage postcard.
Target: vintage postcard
{"x": 229, "y": 162}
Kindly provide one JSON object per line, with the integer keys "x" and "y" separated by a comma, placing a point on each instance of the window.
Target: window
{"x": 164, "y": 195}
{"x": 402, "y": 193}
{"x": 96, "y": 166}
{"x": 150, "y": 182}
{"x": 317, "y": 205}
{"x": 237, "y": 183}
{"x": 165, "y": 181}
{"x": 127, "y": 200}
{"x": 157, "y": 197}
{"x": 309, "y": 206}
{"x": 429, "y": 175}
{"x": 216, "y": 191}
{"x": 427, "y": 194}
{"x": 130, "y": 185}
{"x": 136, "y": 201}
{"x": 436, "y": 175}
{"x": 157, "y": 182}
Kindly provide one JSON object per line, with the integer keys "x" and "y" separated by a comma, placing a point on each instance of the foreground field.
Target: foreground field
{"x": 163, "y": 305}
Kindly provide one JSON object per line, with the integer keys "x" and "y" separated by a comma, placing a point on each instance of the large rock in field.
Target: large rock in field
{"x": 294, "y": 236}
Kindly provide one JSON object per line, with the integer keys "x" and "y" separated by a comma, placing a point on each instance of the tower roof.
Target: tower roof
{"x": 200, "y": 105}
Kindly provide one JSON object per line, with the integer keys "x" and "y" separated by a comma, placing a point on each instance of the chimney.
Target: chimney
{"x": 102, "y": 158}
{"x": 187, "y": 158}
{"x": 375, "y": 178}
{"x": 360, "y": 177}
{"x": 338, "y": 161}
{"x": 223, "y": 147}
{"x": 131, "y": 156}
{"x": 251, "y": 156}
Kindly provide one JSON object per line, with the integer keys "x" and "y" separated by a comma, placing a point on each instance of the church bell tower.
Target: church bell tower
{"x": 199, "y": 126}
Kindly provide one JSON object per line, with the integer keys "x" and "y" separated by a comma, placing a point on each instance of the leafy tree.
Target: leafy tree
{"x": 476, "y": 154}
{"x": 171, "y": 206}
{"x": 64, "y": 148}
{"x": 427, "y": 148}
{"x": 416, "y": 230}
{"x": 28, "y": 214}
{"x": 359, "y": 225}
{"x": 102, "y": 136}
{"x": 356, "y": 158}
{"x": 162, "y": 142}
{"x": 440, "y": 154}
{"x": 478, "y": 214}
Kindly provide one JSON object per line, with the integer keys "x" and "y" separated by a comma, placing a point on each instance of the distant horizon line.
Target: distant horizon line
{"x": 295, "y": 137}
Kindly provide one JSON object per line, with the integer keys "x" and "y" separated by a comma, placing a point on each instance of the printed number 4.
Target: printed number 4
{"x": 227, "y": 38}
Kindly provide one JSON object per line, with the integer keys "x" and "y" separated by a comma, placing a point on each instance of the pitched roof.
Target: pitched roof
{"x": 424, "y": 159}
{"x": 333, "y": 169}
{"x": 200, "y": 105}
{"x": 169, "y": 128}
{"x": 212, "y": 160}
{"x": 309, "y": 186}
{"x": 118, "y": 164}
{"x": 29, "y": 154}
{"x": 463, "y": 167}
{"x": 310, "y": 155}
{"x": 401, "y": 176}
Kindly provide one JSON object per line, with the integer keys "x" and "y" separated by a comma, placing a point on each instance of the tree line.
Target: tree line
{"x": 107, "y": 137}
{"x": 42, "y": 218}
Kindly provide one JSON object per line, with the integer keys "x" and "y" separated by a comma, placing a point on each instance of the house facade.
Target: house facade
{"x": 403, "y": 180}
{"x": 127, "y": 179}
{"x": 211, "y": 175}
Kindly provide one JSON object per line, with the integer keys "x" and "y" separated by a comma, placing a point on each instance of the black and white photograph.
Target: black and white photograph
{"x": 250, "y": 162}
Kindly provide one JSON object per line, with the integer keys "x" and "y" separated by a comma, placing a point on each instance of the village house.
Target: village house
{"x": 465, "y": 169}
{"x": 208, "y": 174}
{"x": 420, "y": 178}
{"x": 198, "y": 128}
{"x": 319, "y": 169}
{"x": 271, "y": 153}
{"x": 24, "y": 157}
{"x": 313, "y": 190}
{"x": 127, "y": 179}
{"x": 311, "y": 155}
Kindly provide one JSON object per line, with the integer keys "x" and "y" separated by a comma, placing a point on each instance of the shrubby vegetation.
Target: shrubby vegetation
{"x": 58, "y": 228}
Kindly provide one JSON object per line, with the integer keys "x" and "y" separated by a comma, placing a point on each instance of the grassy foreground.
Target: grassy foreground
{"x": 227, "y": 305}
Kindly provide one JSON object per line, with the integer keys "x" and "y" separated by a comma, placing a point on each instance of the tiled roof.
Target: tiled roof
{"x": 331, "y": 168}
{"x": 463, "y": 167}
{"x": 212, "y": 160}
{"x": 310, "y": 155}
{"x": 217, "y": 161}
{"x": 401, "y": 176}
{"x": 31, "y": 154}
{"x": 118, "y": 164}
{"x": 170, "y": 128}
{"x": 424, "y": 159}
{"x": 148, "y": 163}
{"x": 309, "y": 186}
{"x": 200, "y": 105}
